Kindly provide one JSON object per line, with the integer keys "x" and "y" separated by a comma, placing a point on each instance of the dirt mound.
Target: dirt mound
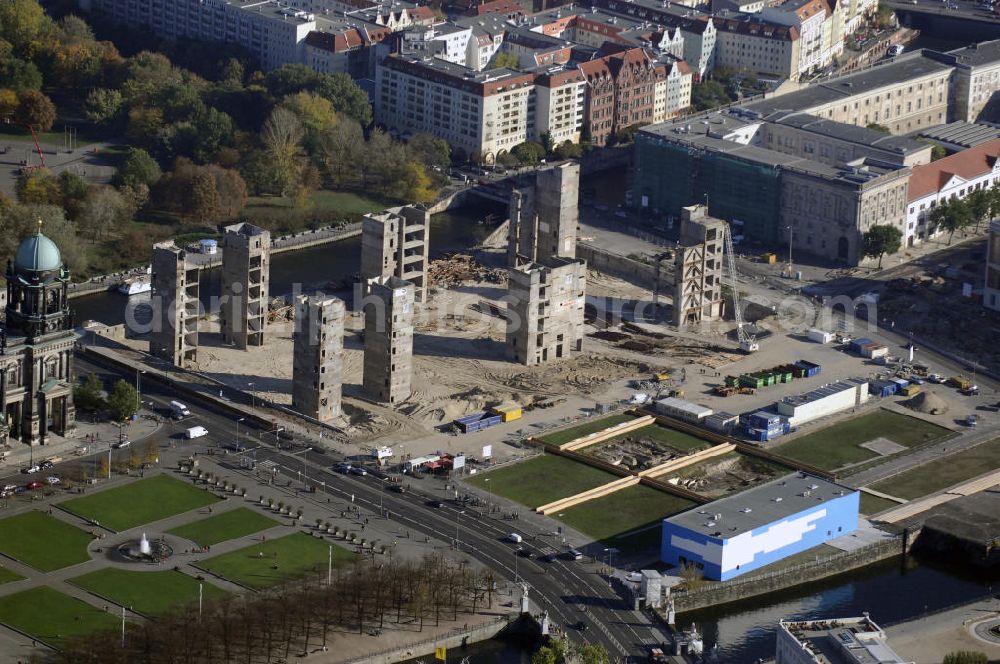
{"x": 927, "y": 402}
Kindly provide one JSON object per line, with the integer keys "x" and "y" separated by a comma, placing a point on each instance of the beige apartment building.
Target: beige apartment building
{"x": 483, "y": 113}
{"x": 977, "y": 82}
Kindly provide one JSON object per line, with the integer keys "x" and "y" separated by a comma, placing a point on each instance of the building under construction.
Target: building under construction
{"x": 545, "y": 303}
{"x": 246, "y": 264}
{"x": 175, "y": 305}
{"x": 388, "y": 362}
{"x": 544, "y": 216}
{"x": 317, "y": 357}
{"x": 698, "y": 268}
{"x": 395, "y": 243}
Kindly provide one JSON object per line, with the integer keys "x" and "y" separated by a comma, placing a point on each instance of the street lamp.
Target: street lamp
{"x": 253, "y": 400}
{"x": 238, "y": 448}
{"x": 791, "y": 236}
{"x": 489, "y": 502}
{"x": 458, "y": 513}
{"x": 517, "y": 554}
{"x": 138, "y": 399}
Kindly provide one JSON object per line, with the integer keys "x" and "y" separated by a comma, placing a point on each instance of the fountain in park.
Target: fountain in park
{"x": 144, "y": 550}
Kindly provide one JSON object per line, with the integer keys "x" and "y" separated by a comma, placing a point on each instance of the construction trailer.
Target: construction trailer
{"x": 823, "y": 401}
{"x": 683, "y": 410}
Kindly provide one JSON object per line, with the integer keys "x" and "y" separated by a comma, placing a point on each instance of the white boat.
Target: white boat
{"x": 136, "y": 286}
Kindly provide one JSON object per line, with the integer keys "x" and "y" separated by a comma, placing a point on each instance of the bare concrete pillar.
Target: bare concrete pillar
{"x": 388, "y": 365}
{"x": 246, "y": 264}
{"x": 317, "y": 359}
{"x": 176, "y": 306}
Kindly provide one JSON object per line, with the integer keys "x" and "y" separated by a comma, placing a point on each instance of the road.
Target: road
{"x": 572, "y": 592}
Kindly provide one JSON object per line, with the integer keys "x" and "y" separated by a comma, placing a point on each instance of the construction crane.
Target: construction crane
{"x": 748, "y": 341}
{"x": 34, "y": 137}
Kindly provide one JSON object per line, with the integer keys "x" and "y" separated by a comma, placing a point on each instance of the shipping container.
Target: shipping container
{"x": 508, "y": 413}
{"x": 820, "y": 336}
{"x": 910, "y": 390}
{"x": 477, "y": 422}
{"x": 858, "y": 344}
{"x": 807, "y": 368}
{"x": 882, "y": 388}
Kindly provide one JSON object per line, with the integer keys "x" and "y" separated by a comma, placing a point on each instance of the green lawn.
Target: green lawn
{"x": 322, "y": 201}
{"x": 140, "y": 502}
{"x": 6, "y": 576}
{"x": 541, "y": 480}
{"x": 148, "y": 593}
{"x": 52, "y": 617}
{"x": 591, "y": 426}
{"x": 839, "y": 445}
{"x": 681, "y": 442}
{"x": 42, "y": 541}
{"x": 295, "y": 555}
{"x": 937, "y": 475}
{"x": 873, "y": 504}
{"x": 623, "y": 511}
{"x": 54, "y": 138}
{"x": 226, "y": 526}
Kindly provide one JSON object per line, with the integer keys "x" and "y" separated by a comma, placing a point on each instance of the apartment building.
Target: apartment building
{"x": 758, "y": 48}
{"x": 560, "y": 97}
{"x": 482, "y": 113}
{"x": 950, "y": 178}
{"x": 275, "y": 34}
{"x": 621, "y": 89}
{"x": 673, "y": 93}
{"x": 820, "y": 28}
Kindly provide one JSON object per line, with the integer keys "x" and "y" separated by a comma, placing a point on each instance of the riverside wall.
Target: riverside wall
{"x": 457, "y": 638}
{"x": 716, "y": 593}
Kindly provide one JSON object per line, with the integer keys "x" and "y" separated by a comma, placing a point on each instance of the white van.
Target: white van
{"x": 195, "y": 432}
{"x": 515, "y": 538}
{"x": 179, "y": 410}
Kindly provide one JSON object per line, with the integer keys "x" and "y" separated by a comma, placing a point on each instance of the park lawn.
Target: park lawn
{"x": 678, "y": 440}
{"x": 840, "y": 445}
{"x": 322, "y": 201}
{"x": 226, "y": 526}
{"x": 43, "y": 542}
{"x": 623, "y": 511}
{"x": 874, "y": 504}
{"x": 136, "y": 503}
{"x": 589, "y": 427}
{"x": 148, "y": 593}
{"x": 941, "y": 474}
{"x": 6, "y": 576}
{"x": 53, "y": 138}
{"x": 295, "y": 555}
{"x": 541, "y": 480}
{"x": 52, "y": 617}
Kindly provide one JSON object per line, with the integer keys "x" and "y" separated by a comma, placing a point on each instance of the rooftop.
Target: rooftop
{"x": 842, "y": 641}
{"x": 967, "y": 164}
{"x": 848, "y": 132}
{"x": 823, "y": 392}
{"x": 781, "y": 498}
{"x": 904, "y": 67}
{"x": 963, "y": 134}
{"x": 979, "y": 54}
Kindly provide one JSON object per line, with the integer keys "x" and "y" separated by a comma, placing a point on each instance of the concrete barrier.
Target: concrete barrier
{"x": 589, "y": 494}
{"x": 633, "y": 271}
{"x": 677, "y": 464}
{"x": 605, "y": 434}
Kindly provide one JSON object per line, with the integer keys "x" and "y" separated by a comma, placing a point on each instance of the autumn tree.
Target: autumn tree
{"x": 37, "y": 110}
{"x": 104, "y": 213}
{"x": 880, "y": 240}
{"x": 281, "y": 137}
{"x": 102, "y": 106}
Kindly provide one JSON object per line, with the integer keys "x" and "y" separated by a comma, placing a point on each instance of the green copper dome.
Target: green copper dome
{"x": 37, "y": 254}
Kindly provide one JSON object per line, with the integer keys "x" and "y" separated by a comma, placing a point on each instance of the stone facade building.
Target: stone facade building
{"x": 36, "y": 346}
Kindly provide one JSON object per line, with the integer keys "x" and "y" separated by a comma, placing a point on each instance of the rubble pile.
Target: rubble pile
{"x": 459, "y": 269}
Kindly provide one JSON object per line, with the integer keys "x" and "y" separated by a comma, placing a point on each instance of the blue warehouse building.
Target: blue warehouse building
{"x": 762, "y": 525}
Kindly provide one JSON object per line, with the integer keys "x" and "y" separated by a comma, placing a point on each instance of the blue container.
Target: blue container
{"x": 858, "y": 344}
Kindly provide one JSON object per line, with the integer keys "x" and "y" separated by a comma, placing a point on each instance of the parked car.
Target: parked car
{"x": 31, "y": 486}
{"x": 31, "y": 469}
{"x": 52, "y": 479}
{"x": 47, "y": 464}
{"x": 935, "y": 378}
{"x": 972, "y": 420}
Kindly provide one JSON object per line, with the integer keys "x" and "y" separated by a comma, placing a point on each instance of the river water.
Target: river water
{"x": 314, "y": 268}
